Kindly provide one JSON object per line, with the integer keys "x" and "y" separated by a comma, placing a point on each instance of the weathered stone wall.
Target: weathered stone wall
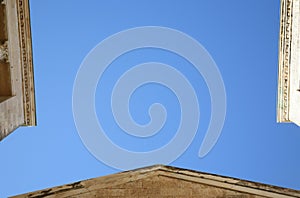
{"x": 161, "y": 186}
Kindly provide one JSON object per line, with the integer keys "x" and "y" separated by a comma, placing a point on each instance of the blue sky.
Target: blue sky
{"x": 242, "y": 38}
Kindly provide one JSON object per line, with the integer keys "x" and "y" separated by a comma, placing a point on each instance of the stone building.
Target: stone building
{"x": 288, "y": 100}
{"x": 163, "y": 181}
{"x": 17, "y": 100}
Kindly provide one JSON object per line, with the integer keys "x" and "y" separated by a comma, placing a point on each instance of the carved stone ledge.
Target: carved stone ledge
{"x": 4, "y": 52}
{"x": 26, "y": 62}
{"x": 288, "y": 100}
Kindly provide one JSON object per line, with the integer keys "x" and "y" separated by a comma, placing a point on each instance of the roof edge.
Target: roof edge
{"x": 173, "y": 172}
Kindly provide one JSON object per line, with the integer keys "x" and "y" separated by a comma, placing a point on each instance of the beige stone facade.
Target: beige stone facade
{"x": 163, "y": 181}
{"x": 288, "y": 100}
{"x": 17, "y": 100}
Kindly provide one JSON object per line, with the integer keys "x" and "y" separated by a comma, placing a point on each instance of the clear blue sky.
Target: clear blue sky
{"x": 242, "y": 38}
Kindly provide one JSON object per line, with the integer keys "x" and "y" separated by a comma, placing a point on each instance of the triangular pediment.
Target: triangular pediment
{"x": 164, "y": 181}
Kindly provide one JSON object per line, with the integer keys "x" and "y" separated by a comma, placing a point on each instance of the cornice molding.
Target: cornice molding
{"x": 26, "y": 62}
{"x": 17, "y": 108}
{"x": 288, "y": 100}
{"x": 285, "y": 45}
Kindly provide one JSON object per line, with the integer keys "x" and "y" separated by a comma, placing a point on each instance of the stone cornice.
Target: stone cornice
{"x": 285, "y": 45}
{"x": 288, "y": 104}
{"x": 26, "y": 62}
{"x": 17, "y": 99}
